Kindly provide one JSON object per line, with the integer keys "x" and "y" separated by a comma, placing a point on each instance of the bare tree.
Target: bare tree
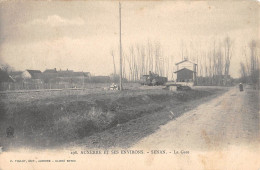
{"x": 141, "y": 59}
{"x": 6, "y": 67}
{"x": 150, "y": 56}
{"x": 243, "y": 72}
{"x": 249, "y": 70}
{"x": 228, "y": 56}
{"x": 254, "y": 70}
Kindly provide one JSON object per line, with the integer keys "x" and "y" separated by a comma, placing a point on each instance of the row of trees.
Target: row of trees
{"x": 213, "y": 63}
{"x": 5, "y": 67}
{"x": 249, "y": 68}
{"x": 140, "y": 59}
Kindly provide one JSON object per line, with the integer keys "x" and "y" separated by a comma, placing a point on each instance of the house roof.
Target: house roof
{"x": 50, "y": 71}
{"x": 80, "y": 74}
{"x": 183, "y": 69}
{"x": 71, "y": 73}
{"x": 34, "y": 71}
{"x": 185, "y": 60}
{"x": 65, "y": 73}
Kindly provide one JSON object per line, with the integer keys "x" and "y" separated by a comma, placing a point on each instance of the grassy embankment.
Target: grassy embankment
{"x": 63, "y": 118}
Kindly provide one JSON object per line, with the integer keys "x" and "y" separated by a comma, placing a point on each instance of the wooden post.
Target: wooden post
{"x": 120, "y": 42}
{"x": 83, "y": 80}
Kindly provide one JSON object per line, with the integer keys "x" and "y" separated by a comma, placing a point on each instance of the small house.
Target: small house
{"x": 35, "y": 74}
{"x": 186, "y": 71}
{"x": 71, "y": 76}
{"x": 49, "y": 75}
{"x": 185, "y": 75}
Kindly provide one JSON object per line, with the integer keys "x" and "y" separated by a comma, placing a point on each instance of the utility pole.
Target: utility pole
{"x": 83, "y": 79}
{"x": 120, "y": 42}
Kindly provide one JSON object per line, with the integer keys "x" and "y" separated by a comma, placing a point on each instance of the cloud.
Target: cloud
{"x": 55, "y": 21}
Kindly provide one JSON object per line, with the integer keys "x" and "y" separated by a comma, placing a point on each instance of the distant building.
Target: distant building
{"x": 81, "y": 74}
{"x": 34, "y": 74}
{"x": 186, "y": 71}
{"x": 50, "y": 71}
{"x": 185, "y": 75}
{"x": 65, "y": 73}
{"x": 71, "y": 76}
{"x": 19, "y": 76}
{"x": 49, "y": 75}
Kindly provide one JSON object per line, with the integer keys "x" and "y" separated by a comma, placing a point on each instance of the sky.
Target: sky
{"x": 79, "y": 35}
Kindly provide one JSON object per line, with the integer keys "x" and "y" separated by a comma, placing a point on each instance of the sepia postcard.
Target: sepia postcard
{"x": 129, "y": 85}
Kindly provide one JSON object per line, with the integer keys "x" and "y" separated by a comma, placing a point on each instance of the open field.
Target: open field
{"x": 92, "y": 117}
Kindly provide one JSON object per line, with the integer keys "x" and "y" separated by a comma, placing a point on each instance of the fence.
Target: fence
{"x": 39, "y": 84}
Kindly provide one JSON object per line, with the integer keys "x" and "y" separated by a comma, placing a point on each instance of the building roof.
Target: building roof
{"x": 34, "y": 71}
{"x": 186, "y": 60}
{"x": 71, "y": 73}
{"x": 35, "y": 74}
{"x": 50, "y": 71}
{"x": 65, "y": 73}
{"x": 183, "y": 69}
{"x": 85, "y": 74}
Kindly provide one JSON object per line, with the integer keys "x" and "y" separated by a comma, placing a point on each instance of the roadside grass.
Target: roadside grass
{"x": 54, "y": 121}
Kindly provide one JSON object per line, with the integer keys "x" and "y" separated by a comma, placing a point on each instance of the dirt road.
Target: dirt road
{"x": 222, "y": 133}
{"x": 230, "y": 119}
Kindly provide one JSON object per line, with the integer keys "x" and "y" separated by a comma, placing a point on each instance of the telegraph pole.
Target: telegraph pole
{"x": 120, "y": 42}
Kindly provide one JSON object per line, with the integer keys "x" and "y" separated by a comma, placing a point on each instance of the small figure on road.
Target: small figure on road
{"x": 10, "y": 132}
{"x": 241, "y": 87}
